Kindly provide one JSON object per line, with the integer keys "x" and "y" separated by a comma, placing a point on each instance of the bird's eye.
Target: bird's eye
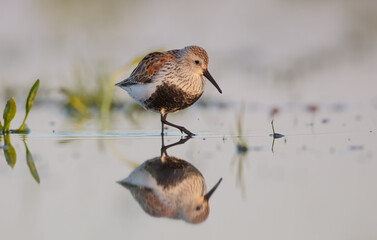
{"x": 197, "y": 62}
{"x": 198, "y": 208}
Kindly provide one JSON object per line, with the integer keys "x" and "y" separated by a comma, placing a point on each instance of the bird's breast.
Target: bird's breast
{"x": 171, "y": 97}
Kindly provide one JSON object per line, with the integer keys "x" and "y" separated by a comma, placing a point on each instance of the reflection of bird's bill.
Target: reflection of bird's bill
{"x": 210, "y": 78}
{"x": 209, "y": 194}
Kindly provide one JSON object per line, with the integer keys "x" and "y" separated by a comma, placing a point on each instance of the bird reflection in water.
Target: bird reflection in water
{"x": 167, "y": 186}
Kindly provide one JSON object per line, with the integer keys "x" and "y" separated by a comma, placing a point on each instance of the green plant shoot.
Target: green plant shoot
{"x": 9, "y": 113}
{"x": 29, "y": 103}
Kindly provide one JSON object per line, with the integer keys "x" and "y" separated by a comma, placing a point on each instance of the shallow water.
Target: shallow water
{"x": 308, "y": 65}
{"x": 318, "y": 181}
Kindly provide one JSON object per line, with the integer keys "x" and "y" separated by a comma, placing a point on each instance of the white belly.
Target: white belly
{"x": 141, "y": 92}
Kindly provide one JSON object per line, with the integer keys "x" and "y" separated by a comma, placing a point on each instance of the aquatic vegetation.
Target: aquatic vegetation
{"x": 242, "y": 150}
{"x": 238, "y": 162}
{"x": 11, "y": 155}
{"x": 30, "y": 163}
{"x": 29, "y": 104}
{"x": 9, "y": 151}
{"x": 10, "y": 111}
{"x": 8, "y": 115}
{"x": 274, "y": 135}
{"x": 83, "y": 102}
{"x": 240, "y": 140}
{"x": 81, "y": 99}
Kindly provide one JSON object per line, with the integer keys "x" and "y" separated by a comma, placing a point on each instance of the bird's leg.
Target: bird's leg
{"x": 162, "y": 126}
{"x": 182, "y": 129}
{"x": 164, "y": 148}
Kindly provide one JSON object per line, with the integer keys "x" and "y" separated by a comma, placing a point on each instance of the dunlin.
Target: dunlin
{"x": 171, "y": 188}
{"x": 170, "y": 81}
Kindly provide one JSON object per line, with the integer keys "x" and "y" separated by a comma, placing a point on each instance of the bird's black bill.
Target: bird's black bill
{"x": 209, "y": 194}
{"x": 210, "y": 78}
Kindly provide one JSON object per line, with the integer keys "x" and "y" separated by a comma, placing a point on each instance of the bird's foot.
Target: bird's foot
{"x": 187, "y": 132}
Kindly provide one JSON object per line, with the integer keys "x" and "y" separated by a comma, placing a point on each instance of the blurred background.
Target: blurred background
{"x": 310, "y": 65}
{"x": 259, "y": 50}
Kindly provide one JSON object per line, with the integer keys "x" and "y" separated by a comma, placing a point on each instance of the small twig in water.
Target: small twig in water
{"x": 274, "y": 135}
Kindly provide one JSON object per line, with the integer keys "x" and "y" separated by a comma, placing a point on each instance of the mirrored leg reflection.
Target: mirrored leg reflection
{"x": 166, "y": 186}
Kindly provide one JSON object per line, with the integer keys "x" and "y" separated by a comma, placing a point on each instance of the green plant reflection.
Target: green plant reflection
{"x": 11, "y": 155}
{"x": 241, "y": 150}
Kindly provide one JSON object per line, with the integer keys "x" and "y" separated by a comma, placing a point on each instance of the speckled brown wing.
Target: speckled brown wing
{"x": 149, "y": 201}
{"x": 152, "y": 205}
{"x": 147, "y": 68}
{"x": 173, "y": 52}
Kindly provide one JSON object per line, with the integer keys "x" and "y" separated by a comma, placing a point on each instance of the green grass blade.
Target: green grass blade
{"x": 76, "y": 103}
{"x": 29, "y": 102}
{"x": 9, "y": 113}
{"x": 9, "y": 151}
{"x": 31, "y": 164}
{"x": 1, "y": 127}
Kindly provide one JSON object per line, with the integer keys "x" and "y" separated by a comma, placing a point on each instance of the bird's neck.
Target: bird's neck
{"x": 191, "y": 83}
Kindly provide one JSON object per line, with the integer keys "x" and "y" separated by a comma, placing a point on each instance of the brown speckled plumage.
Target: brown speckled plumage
{"x": 169, "y": 81}
{"x": 171, "y": 188}
{"x": 170, "y": 98}
{"x": 148, "y": 67}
